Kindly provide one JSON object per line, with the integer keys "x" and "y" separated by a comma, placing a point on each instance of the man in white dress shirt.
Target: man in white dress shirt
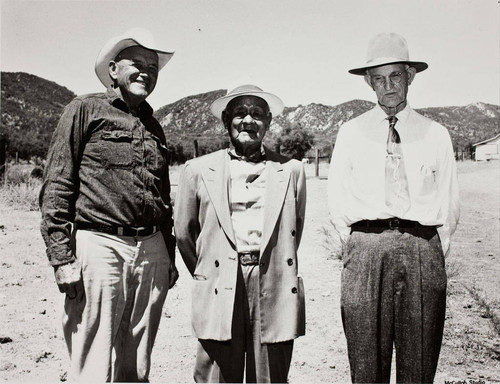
{"x": 393, "y": 199}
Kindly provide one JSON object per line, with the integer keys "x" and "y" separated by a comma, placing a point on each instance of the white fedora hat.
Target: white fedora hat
{"x": 131, "y": 38}
{"x": 388, "y": 48}
{"x": 275, "y": 104}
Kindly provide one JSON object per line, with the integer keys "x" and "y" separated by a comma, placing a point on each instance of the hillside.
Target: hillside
{"x": 31, "y": 107}
{"x": 191, "y": 117}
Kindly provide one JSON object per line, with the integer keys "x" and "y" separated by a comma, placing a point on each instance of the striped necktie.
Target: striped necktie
{"x": 397, "y": 196}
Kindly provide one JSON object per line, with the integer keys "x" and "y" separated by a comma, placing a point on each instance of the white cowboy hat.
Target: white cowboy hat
{"x": 274, "y": 102}
{"x": 131, "y": 38}
{"x": 388, "y": 48}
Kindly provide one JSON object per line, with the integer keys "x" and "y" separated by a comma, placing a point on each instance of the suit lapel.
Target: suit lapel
{"x": 277, "y": 184}
{"x": 216, "y": 178}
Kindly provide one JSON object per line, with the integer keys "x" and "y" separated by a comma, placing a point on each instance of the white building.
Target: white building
{"x": 488, "y": 149}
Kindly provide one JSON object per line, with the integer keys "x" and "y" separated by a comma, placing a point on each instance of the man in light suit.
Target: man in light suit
{"x": 239, "y": 215}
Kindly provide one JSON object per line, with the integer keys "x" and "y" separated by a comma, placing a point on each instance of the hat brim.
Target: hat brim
{"x": 113, "y": 48}
{"x": 418, "y": 65}
{"x": 275, "y": 104}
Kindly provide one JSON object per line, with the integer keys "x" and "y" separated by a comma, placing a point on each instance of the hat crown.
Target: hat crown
{"x": 387, "y": 45}
{"x": 141, "y": 36}
{"x": 244, "y": 89}
{"x": 274, "y": 102}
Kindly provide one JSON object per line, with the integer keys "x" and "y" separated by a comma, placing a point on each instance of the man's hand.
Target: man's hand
{"x": 173, "y": 275}
{"x": 69, "y": 279}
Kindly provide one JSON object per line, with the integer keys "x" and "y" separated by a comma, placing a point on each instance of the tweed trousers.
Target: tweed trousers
{"x": 244, "y": 356}
{"x": 110, "y": 332}
{"x": 393, "y": 294}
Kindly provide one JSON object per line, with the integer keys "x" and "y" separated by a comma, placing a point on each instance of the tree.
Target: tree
{"x": 295, "y": 141}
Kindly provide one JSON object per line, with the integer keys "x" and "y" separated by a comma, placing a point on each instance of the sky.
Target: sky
{"x": 300, "y": 50}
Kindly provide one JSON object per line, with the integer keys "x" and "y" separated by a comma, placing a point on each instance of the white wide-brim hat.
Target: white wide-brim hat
{"x": 131, "y": 38}
{"x": 274, "y": 102}
{"x": 388, "y": 48}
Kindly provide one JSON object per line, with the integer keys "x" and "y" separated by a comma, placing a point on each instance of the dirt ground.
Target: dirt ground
{"x": 32, "y": 348}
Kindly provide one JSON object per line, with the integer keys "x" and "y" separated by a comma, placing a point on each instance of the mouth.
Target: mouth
{"x": 144, "y": 83}
{"x": 249, "y": 132}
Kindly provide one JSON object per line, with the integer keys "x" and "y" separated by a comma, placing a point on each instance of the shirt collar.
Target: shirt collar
{"x": 257, "y": 157}
{"x": 145, "y": 110}
{"x": 402, "y": 116}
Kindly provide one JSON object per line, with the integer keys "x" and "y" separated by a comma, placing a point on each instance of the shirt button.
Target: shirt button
{"x": 216, "y": 291}
{"x": 216, "y": 263}
{"x": 262, "y": 264}
{"x": 292, "y": 232}
{"x": 294, "y": 290}
{"x": 290, "y": 262}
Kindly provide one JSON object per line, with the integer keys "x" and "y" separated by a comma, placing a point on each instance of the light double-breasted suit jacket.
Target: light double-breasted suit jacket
{"x": 206, "y": 241}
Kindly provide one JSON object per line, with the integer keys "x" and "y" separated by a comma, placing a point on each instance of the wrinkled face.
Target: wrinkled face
{"x": 135, "y": 72}
{"x": 390, "y": 83}
{"x": 247, "y": 119}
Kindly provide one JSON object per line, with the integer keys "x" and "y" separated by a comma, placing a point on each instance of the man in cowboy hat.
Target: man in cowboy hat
{"x": 238, "y": 217}
{"x": 393, "y": 199}
{"x": 107, "y": 218}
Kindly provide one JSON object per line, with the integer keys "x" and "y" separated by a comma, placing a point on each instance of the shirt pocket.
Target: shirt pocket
{"x": 427, "y": 179}
{"x": 156, "y": 155}
{"x": 116, "y": 148}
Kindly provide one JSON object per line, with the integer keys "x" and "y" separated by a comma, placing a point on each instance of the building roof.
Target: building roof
{"x": 487, "y": 141}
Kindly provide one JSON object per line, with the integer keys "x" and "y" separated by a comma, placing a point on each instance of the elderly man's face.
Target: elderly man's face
{"x": 247, "y": 119}
{"x": 390, "y": 83}
{"x": 135, "y": 71}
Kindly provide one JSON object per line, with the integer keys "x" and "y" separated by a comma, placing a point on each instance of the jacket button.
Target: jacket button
{"x": 216, "y": 263}
{"x": 292, "y": 232}
{"x": 294, "y": 290}
{"x": 216, "y": 291}
{"x": 290, "y": 262}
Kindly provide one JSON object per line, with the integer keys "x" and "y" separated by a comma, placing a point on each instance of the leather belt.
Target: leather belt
{"x": 249, "y": 258}
{"x": 393, "y": 223}
{"x": 120, "y": 231}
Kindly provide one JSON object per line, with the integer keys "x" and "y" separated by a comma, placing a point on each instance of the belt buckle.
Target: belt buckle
{"x": 393, "y": 224}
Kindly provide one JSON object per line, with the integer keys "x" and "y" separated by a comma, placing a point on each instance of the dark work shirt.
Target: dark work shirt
{"x": 105, "y": 166}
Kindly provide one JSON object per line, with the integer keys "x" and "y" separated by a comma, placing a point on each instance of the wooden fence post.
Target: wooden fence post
{"x": 195, "y": 143}
{"x": 316, "y": 163}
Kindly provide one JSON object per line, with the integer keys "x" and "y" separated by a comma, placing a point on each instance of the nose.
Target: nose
{"x": 388, "y": 84}
{"x": 247, "y": 119}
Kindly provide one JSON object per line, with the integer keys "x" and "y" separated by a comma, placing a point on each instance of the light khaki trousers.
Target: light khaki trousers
{"x": 110, "y": 333}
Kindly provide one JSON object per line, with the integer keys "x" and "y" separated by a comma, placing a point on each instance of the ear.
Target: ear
{"x": 112, "y": 68}
{"x": 411, "y": 74}
{"x": 268, "y": 120}
{"x": 368, "y": 80}
{"x": 225, "y": 118}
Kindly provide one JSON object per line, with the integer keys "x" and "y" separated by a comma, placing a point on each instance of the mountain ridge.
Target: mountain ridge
{"x": 31, "y": 107}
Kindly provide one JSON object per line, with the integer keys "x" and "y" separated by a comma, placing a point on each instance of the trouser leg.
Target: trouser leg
{"x": 367, "y": 307}
{"x": 224, "y": 361}
{"x": 90, "y": 325}
{"x": 146, "y": 294}
{"x": 420, "y": 310}
{"x": 265, "y": 363}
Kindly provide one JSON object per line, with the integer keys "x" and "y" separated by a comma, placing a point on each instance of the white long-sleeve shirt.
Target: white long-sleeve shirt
{"x": 356, "y": 181}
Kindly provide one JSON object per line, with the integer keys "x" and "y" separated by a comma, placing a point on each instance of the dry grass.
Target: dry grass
{"x": 21, "y": 196}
